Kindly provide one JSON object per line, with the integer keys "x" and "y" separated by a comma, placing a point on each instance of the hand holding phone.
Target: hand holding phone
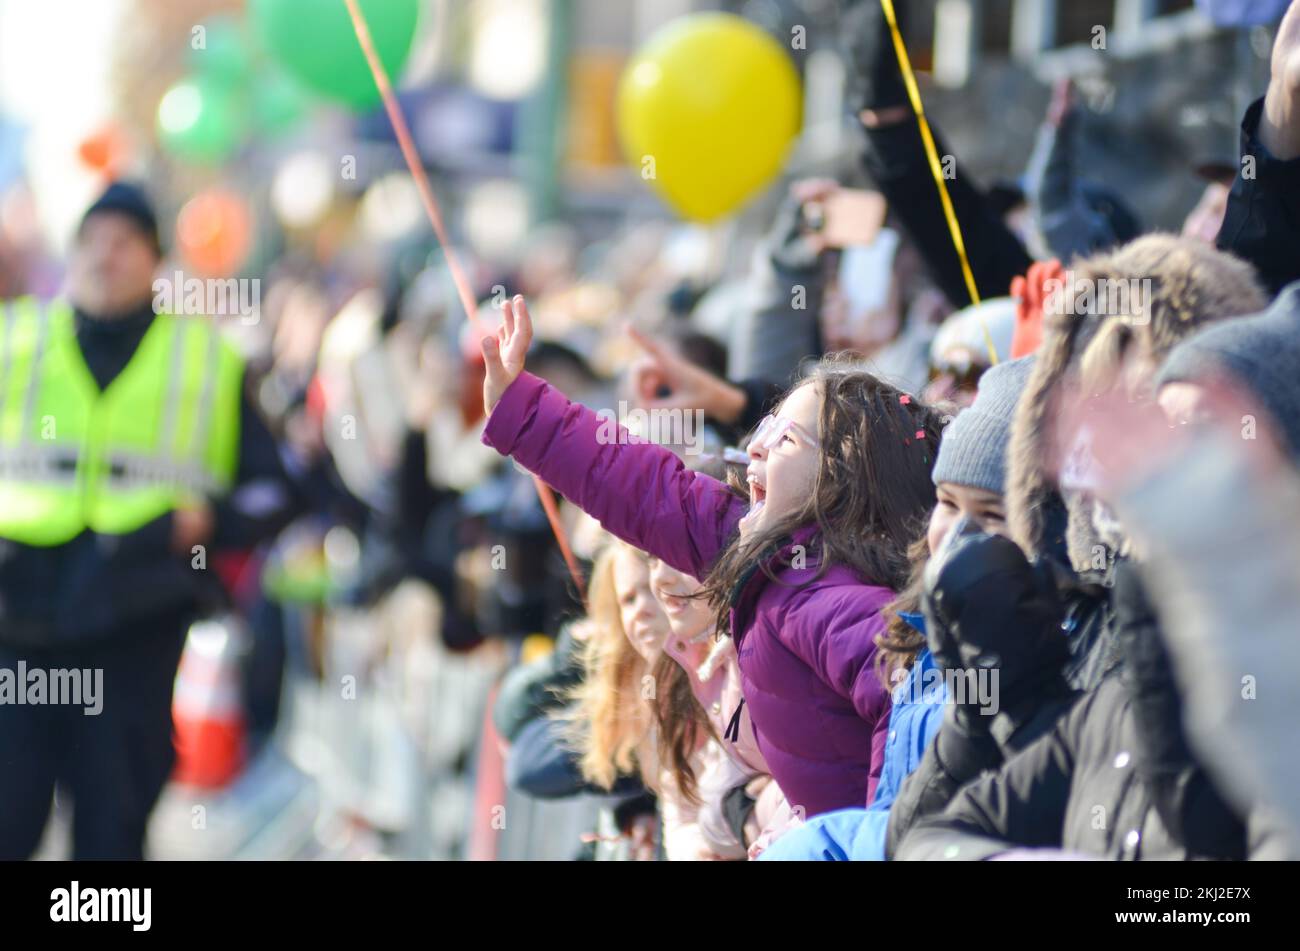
{"x": 847, "y": 217}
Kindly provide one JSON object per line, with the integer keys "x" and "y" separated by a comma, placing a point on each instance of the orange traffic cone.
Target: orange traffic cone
{"x": 207, "y": 712}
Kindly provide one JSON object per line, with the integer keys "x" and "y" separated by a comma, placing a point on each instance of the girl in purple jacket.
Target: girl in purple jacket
{"x": 839, "y": 485}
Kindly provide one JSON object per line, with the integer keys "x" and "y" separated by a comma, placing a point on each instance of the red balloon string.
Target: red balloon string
{"x": 463, "y": 289}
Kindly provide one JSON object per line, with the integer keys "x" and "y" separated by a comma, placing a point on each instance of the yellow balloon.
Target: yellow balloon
{"x": 707, "y": 111}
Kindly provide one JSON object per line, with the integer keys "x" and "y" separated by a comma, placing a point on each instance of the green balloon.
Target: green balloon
{"x": 219, "y": 50}
{"x": 201, "y": 121}
{"x": 315, "y": 41}
{"x": 279, "y": 103}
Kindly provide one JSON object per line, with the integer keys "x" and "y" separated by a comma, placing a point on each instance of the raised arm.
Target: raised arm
{"x": 1262, "y": 224}
{"x": 638, "y": 491}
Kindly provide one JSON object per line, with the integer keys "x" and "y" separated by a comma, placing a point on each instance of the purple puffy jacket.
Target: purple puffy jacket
{"x": 805, "y": 653}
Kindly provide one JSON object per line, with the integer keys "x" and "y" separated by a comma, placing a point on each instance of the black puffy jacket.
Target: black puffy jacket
{"x": 1130, "y": 713}
{"x": 1079, "y": 788}
{"x": 957, "y": 756}
{"x": 1115, "y": 777}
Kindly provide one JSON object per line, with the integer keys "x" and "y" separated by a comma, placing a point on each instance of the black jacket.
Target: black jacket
{"x": 1079, "y": 788}
{"x": 1262, "y": 224}
{"x": 98, "y": 587}
{"x": 1114, "y": 777}
{"x": 896, "y": 161}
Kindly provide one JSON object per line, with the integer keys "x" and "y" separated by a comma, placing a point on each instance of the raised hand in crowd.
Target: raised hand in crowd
{"x": 1279, "y": 128}
{"x": 505, "y": 352}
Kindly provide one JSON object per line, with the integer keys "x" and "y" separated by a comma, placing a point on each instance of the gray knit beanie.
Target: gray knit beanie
{"x": 1260, "y": 353}
{"x": 973, "y": 451}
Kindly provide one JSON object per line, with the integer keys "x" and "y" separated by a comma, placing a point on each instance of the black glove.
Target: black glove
{"x": 875, "y": 78}
{"x": 987, "y": 607}
{"x": 789, "y": 240}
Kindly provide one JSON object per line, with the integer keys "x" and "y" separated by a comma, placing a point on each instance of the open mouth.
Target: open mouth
{"x": 757, "y": 495}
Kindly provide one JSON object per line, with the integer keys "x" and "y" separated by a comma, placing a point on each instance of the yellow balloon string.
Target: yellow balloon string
{"x": 936, "y": 169}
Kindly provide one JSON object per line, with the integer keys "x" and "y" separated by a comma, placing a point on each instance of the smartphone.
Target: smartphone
{"x": 848, "y": 218}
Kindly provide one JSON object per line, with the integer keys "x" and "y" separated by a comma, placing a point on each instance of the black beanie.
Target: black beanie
{"x": 124, "y": 198}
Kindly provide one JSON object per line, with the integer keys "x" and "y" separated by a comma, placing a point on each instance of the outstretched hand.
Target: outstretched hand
{"x": 506, "y": 351}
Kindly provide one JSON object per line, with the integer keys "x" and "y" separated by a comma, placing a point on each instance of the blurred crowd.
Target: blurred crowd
{"x": 915, "y": 539}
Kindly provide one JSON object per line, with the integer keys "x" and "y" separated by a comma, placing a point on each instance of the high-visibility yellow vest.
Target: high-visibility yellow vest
{"x": 164, "y": 433}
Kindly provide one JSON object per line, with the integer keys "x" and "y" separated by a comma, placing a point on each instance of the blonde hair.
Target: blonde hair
{"x": 609, "y": 721}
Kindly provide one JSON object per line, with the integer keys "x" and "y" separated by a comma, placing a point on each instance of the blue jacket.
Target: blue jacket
{"x": 858, "y": 835}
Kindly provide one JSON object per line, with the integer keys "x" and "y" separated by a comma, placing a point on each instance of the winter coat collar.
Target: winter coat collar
{"x": 754, "y": 582}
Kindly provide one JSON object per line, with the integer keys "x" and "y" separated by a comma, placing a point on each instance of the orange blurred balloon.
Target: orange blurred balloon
{"x": 214, "y": 232}
{"x": 104, "y": 151}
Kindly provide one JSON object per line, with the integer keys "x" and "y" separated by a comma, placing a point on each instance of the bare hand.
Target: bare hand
{"x": 1286, "y": 49}
{"x": 1279, "y": 128}
{"x": 1062, "y": 102}
{"x": 661, "y": 379}
{"x": 506, "y": 351}
{"x": 642, "y": 836}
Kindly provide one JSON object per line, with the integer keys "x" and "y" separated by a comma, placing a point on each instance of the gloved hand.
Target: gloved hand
{"x": 875, "y": 80}
{"x": 1031, "y": 293}
{"x": 790, "y": 243}
{"x": 987, "y": 607}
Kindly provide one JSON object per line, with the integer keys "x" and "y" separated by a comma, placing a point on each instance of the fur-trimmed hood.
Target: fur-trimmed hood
{"x": 1161, "y": 289}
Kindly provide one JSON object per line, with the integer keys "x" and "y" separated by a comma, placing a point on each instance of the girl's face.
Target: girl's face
{"x": 980, "y": 506}
{"x": 783, "y": 459}
{"x": 688, "y": 617}
{"x": 643, "y": 620}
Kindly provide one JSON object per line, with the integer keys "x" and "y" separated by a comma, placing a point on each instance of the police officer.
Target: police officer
{"x": 129, "y": 454}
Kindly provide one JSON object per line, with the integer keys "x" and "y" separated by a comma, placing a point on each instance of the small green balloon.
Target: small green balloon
{"x": 201, "y": 121}
{"x": 219, "y": 50}
{"x": 315, "y": 41}
{"x": 279, "y": 103}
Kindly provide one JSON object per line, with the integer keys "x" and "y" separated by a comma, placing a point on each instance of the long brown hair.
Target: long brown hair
{"x": 871, "y": 494}
{"x": 682, "y": 724}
